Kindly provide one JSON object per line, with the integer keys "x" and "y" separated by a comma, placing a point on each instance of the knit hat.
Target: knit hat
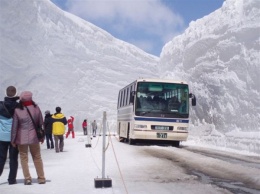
{"x": 11, "y": 91}
{"x": 26, "y": 96}
{"x": 47, "y": 112}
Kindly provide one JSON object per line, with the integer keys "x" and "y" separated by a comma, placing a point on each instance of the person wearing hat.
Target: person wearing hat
{"x": 23, "y": 135}
{"x": 48, "y": 130}
{"x": 70, "y": 127}
{"x": 58, "y": 129}
{"x": 6, "y": 113}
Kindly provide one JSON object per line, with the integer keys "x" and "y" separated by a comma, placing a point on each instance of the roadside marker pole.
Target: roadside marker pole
{"x": 103, "y": 182}
{"x": 88, "y": 145}
{"x": 104, "y": 144}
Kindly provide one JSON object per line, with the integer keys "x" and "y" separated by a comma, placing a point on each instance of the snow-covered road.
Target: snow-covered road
{"x": 140, "y": 169}
{"x": 234, "y": 172}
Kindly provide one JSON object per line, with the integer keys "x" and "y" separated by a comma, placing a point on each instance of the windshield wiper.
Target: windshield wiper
{"x": 179, "y": 114}
{"x": 176, "y": 113}
{"x": 145, "y": 112}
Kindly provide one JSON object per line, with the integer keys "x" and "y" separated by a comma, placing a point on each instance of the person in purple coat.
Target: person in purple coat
{"x": 24, "y": 136}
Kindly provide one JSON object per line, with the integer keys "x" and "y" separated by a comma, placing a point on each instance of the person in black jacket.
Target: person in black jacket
{"x": 48, "y": 129}
{"x": 6, "y": 113}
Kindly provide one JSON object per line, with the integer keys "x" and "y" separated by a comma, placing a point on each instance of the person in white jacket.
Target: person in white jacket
{"x": 94, "y": 128}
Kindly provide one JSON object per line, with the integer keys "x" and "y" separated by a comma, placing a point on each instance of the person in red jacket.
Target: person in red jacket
{"x": 70, "y": 127}
{"x": 85, "y": 127}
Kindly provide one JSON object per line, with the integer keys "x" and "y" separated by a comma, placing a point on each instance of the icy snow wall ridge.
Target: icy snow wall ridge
{"x": 66, "y": 61}
{"x": 219, "y": 56}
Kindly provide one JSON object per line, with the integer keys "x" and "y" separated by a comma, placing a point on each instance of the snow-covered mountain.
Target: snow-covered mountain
{"x": 66, "y": 61}
{"x": 219, "y": 55}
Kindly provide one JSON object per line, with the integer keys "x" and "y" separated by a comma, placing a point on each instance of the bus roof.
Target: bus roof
{"x": 154, "y": 80}
{"x": 160, "y": 80}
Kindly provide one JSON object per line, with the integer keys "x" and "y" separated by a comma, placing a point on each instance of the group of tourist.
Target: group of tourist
{"x": 20, "y": 117}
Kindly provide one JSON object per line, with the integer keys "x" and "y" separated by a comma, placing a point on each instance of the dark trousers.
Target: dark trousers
{"x": 13, "y": 160}
{"x": 49, "y": 141}
{"x": 85, "y": 131}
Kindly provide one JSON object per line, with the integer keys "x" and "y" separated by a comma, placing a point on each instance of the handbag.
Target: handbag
{"x": 39, "y": 130}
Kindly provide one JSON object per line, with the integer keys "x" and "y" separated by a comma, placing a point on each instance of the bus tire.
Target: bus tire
{"x": 121, "y": 139}
{"x": 131, "y": 142}
{"x": 176, "y": 144}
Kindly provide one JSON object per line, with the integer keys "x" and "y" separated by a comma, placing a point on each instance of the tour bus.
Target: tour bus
{"x": 154, "y": 109}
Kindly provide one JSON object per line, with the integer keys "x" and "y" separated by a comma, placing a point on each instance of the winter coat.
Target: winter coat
{"x": 6, "y": 117}
{"x": 48, "y": 124}
{"x": 70, "y": 122}
{"x": 58, "y": 124}
{"x": 23, "y": 130}
{"x": 84, "y": 124}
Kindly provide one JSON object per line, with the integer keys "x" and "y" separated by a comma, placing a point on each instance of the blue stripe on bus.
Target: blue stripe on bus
{"x": 161, "y": 120}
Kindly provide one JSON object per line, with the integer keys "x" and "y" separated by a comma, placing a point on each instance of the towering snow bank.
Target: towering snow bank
{"x": 66, "y": 61}
{"x": 219, "y": 56}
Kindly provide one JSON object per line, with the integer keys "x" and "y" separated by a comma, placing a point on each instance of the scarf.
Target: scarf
{"x": 27, "y": 103}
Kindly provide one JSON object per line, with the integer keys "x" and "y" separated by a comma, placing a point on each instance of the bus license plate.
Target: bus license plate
{"x": 161, "y": 135}
{"x": 161, "y": 127}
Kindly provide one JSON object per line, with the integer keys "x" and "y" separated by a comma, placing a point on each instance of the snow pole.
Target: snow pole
{"x": 103, "y": 182}
{"x": 104, "y": 144}
{"x": 88, "y": 145}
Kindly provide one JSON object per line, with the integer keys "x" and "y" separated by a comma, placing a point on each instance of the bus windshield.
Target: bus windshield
{"x": 155, "y": 99}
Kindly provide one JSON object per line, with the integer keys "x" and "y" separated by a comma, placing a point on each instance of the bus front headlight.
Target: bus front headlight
{"x": 182, "y": 128}
{"x": 140, "y": 126}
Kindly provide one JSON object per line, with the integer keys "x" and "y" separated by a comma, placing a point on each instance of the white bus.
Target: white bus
{"x": 154, "y": 109}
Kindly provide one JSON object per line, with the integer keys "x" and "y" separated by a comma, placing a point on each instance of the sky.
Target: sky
{"x": 138, "y": 169}
{"x": 148, "y": 24}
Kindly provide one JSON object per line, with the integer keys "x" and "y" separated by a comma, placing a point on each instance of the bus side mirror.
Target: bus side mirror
{"x": 132, "y": 97}
{"x": 193, "y": 99}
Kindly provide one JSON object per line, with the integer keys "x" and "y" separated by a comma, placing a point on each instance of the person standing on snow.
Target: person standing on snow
{"x": 48, "y": 130}
{"x": 23, "y": 135}
{"x": 6, "y": 113}
{"x": 85, "y": 127}
{"x": 70, "y": 127}
{"x": 94, "y": 128}
{"x": 58, "y": 129}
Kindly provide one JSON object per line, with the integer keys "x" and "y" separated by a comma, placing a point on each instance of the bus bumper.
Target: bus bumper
{"x": 160, "y": 135}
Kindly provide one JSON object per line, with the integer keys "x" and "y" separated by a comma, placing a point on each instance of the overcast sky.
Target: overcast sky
{"x": 148, "y": 24}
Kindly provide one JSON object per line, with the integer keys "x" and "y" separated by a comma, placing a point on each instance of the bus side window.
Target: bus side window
{"x": 132, "y": 97}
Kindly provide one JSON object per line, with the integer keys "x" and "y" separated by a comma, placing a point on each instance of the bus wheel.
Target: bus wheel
{"x": 121, "y": 139}
{"x": 176, "y": 144}
{"x": 131, "y": 142}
